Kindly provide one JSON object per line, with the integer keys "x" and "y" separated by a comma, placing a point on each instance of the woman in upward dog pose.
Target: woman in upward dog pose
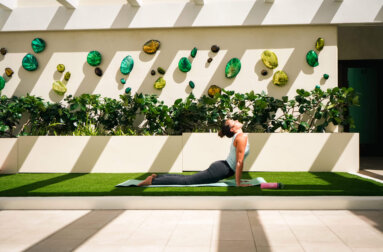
{"x": 239, "y": 149}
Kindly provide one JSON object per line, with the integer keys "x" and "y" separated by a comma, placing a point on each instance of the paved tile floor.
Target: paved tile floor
{"x": 190, "y": 230}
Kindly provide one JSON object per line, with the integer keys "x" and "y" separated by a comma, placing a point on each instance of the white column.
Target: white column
{"x": 70, "y": 4}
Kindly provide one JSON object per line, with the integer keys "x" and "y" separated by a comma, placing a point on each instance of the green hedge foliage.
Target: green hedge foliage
{"x": 143, "y": 114}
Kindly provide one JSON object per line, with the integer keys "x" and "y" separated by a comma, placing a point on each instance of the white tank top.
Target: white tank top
{"x": 232, "y": 157}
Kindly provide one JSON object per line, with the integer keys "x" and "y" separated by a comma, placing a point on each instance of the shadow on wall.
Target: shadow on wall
{"x": 125, "y": 16}
{"x": 331, "y": 152}
{"x": 188, "y": 15}
{"x": 257, "y": 13}
{"x": 326, "y": 12}
{"x": 60, "y": 18}
{"x": 90, "y": 154}
{"x": 379, "y": 15}
{"x": 257, "y": 143}
{"x": 4, "y": 15}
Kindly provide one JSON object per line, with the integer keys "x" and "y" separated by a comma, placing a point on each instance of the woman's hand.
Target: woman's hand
{"x": 244, "y": 185}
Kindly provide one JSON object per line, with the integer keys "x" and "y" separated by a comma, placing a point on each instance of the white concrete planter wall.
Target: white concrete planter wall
{"x": 189, "y": 152}
{"x": 278, "y": 151}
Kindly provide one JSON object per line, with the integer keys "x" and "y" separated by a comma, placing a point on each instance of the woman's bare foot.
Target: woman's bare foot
{"x": 154, "y": 175}
{"x": 147, "y": 181}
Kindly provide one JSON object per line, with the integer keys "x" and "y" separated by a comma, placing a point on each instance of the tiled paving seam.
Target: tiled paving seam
{"x": 291, "y": 230}
{"x": 328, "y": 227}
{"x": 251, "y": 228}
{"x": 172, "y": 233}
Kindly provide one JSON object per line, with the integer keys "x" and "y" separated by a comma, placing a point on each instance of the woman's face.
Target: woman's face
{"x": 234, "y": 125}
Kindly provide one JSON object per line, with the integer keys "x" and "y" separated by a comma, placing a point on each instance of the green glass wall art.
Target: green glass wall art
{"x": 67, "y": 76}
{"x": 127, "y": 90}
{"x": 193, "y": 52}
{"x": 161, "y": 70}
{"x": 280, "y": 78}
{"x": 60, "y": 68}
{"x": 3, "y": 51}
{"x": 215, "y": 48}
{"x": 2, "y": 83}
{"x": 191, "y": 84}
{"x": 319, "y": 44}
{"x": 213, "y": 89}
{"x": 232, "y": 68}
{"x": 9, "y": 72}
{"x": 184, "y": 65}
{"x": 38, "y": 45}
{"x": 151, "y": 46}
{"x": 127, "y": 65}
{"x": 59, "y": 87}
{"x": 98, "y": 71}
{"x": 94, "y": 58}
{"x": 326, "y": 76}
{"x": 123, "y": 81}
{"x": 270, "y": 59}
{"x": 312, "y": 58}
{"x": 160, "y": 83}
{"x": 29, "y": 62}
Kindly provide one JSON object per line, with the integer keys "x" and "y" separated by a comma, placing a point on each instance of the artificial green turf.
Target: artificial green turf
{"x": 103, "y": 184}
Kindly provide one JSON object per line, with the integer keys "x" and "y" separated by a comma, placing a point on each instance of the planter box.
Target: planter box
{"x": 105, "y": 154}
{"x": 189, "y": 152}
{"x": 314, "y": 152}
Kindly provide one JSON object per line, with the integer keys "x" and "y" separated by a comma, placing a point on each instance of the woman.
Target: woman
{"x": 218, "y": 170}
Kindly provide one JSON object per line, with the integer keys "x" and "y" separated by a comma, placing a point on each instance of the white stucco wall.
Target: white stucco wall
{"x": 290, "y": 43}
{"x": 115, "y": 14}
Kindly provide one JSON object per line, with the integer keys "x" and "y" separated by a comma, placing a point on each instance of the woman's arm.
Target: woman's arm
{"x": 241, "y": 146}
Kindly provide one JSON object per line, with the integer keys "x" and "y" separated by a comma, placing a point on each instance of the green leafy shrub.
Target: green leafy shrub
{"x": 308, "y": 111}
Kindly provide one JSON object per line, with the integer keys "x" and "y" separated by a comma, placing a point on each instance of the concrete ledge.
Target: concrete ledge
{"x": 194, "y": 202}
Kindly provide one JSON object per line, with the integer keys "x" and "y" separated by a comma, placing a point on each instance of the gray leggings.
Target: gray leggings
{"x": 216, "y": 171}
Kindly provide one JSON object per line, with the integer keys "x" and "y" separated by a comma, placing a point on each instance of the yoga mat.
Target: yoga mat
{"x": 225, "y": 182}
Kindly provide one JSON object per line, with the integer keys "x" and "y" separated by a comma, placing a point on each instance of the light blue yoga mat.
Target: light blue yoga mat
{"x": 225, "y": 182}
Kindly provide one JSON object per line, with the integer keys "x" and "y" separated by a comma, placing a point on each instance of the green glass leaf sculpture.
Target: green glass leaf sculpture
{"x": 184, "y": 64}
{"x": 213, "y": 89}
{"x": 232, "y": 68}
{"x": 270, "y": 59}
{"x": 126, "y": 65}
{"x": 67, "y": 76}
{"x": 326, "y": 76}
{"x": 94, "y": 58}
{"x": 30, "y": 62}
{"x": 151, "y": 46}
{"x": 312, "y": 58}
{"x": 2, "y": 82}
{"x": 191, "y": 84}
{"x": 280, "y": 78}
{"x": 122, "y": 80}
{"x": 9, "y": 72}
{"x": 160, "y": 70}
{"x": 60, "y": 68}
{"x": 38, "y": 45}
{"x": 160, "y": 83}
{"x": 127, "y": 90}
{"x": 193, "y": 52}
{"x": 59, "y": 87}
{"x": 319, "y": 44}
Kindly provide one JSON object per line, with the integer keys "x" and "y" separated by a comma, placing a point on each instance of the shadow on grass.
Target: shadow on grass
{"x": 296, "y": 184}
{"x": 26, "y": 190}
